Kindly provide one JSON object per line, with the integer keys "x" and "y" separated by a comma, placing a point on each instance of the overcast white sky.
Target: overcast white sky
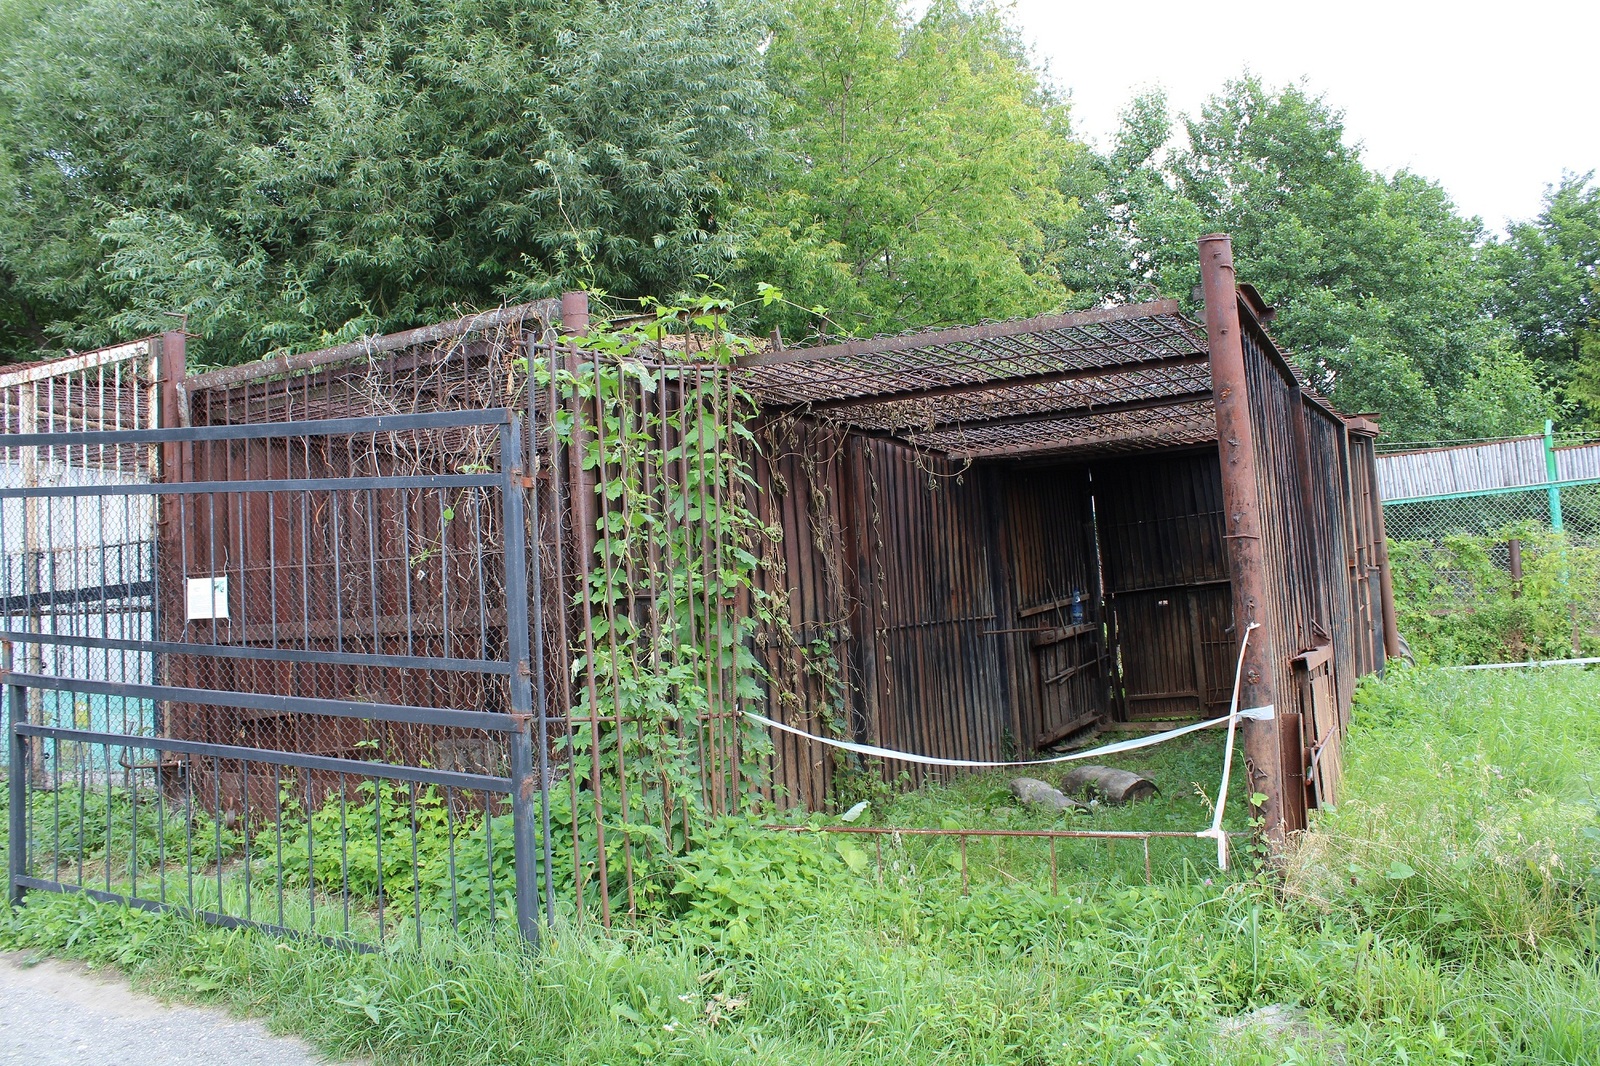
{"x": 1493, "y": 101}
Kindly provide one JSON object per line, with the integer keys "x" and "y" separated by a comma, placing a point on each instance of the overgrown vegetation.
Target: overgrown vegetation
{"x": 1457, "y": 603}
{"x": 1445, "y": 912}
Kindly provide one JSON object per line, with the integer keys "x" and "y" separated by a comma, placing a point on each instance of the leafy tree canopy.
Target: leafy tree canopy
{"x": 289, "y": 173}
{"x": 1379, "y": 282}
{"x": 1549, "y": 271}
{"x": 925, "y": 168}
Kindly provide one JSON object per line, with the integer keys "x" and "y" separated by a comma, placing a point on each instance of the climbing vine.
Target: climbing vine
{"x": 653, "y": 439}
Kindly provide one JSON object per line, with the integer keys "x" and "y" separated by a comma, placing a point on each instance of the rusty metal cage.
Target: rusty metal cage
{"x": 972, "y": 544}
{"x": 999, "y": 538}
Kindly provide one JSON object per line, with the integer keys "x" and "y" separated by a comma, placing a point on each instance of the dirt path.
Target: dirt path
{"x": 63, "y": 1014}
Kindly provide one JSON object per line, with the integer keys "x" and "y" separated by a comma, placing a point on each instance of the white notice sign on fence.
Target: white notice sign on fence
{"x": 208, "y": 597}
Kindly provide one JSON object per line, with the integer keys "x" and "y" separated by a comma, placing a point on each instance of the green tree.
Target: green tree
{"x": 925, "y": 173}
{"x": 289, "y": 173}
{"x": 1550, "y": 295}
{"x": 1380, "y": 284}
{"x": 1134, "y": 239}
{"x": 1380, "y": 281}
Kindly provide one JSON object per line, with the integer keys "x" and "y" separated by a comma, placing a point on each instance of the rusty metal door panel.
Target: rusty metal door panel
{"x": 941, "y": 689}
{"x": 1327, "y": 733}
{"x": 1157, "y": 648}
{"x": 1166, "y": 572}
{"x": 1057, "y": 640}
{"x": 1068, "y": 666}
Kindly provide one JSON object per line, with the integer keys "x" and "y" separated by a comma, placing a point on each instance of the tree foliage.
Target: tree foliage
{"x": 288, "y": 173}
{"x": 1380, "y": 284}
{"x": 1549, "y": 270}
{"x": 925, "y": 167}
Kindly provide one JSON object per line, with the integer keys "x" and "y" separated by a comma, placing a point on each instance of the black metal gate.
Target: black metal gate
{"x": 334, "y": 731}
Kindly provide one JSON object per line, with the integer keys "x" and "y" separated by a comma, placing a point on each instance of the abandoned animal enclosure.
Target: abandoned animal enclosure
{"x": 1012, "y": 534}
{"x": 506, "y": 567}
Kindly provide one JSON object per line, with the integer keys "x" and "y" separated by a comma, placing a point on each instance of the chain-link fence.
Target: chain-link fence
{"x": 1498, "y": 515}
{"x": 1503, "y": 575}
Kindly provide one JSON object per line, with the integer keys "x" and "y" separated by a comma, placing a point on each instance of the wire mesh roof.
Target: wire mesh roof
{"x": 1120, "y": 379}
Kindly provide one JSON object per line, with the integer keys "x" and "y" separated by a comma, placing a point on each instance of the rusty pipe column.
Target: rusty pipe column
{"x": 575, "y": 324}
{"x": 1242, "y": 506}
{"x": 1391, "y": 621}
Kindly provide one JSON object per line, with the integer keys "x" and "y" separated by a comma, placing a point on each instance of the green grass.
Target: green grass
{"x": 1445, "y": 912}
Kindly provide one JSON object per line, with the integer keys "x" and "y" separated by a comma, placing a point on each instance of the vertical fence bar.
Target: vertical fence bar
{"x": 536, "y": 657}
{"x": 16, "y": 782}
{"x": 559, "y": 578}
{"x": 516, "y": 575}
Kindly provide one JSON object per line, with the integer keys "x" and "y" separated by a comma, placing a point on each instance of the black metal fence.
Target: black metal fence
{"x": 331, "y": 727}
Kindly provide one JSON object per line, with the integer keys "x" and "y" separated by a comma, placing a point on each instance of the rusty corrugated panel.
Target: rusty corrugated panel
{"x": 1162, "y": 540}
{"x": 1330, "y": 510}
{"x": 801, "y": 490}
{"x": 941, "y": 690}
{"x": 1049, "y": 604}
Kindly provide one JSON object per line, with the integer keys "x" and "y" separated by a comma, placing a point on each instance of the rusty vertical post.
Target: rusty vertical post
{"x": 1391, "y": 623}
{"x": 1242, "y": 504}
{"x": 581, "y": 483}
{"x": 171, "y": 367}
{"x": 171, "y": 364}
{"x": 575, "y": 324}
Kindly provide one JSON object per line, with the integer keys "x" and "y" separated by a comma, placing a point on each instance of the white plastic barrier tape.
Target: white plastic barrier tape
{"x": 931, "y": 760}
{"x": 1530, "y": 662}
{"x": 1235, "y": 713}
{"x": 1227, "y": 753}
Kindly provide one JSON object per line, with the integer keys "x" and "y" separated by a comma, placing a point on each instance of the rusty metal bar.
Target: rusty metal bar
{"x": 1241, "y": 499}
{"x": 1045, "y": 414}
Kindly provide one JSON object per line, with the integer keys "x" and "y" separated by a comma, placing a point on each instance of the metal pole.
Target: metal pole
{"x": 32, "y": 559}
{"x": 16, "y": 780}
{"x": 1552, "y": 474}
{"x": 537, "y": 656}
{"x": 1392, "y": 648}
{"x": 524, "y": 830}
{"x": 1241, "y": 501}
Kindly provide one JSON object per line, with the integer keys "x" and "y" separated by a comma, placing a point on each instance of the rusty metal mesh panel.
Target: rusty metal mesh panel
{"x": 1100, "y": 382}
